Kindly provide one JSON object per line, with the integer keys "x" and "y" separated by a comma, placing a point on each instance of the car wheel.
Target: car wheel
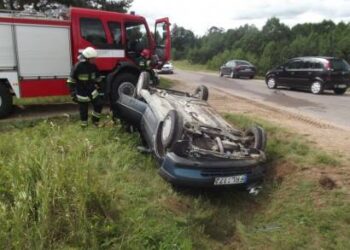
{"x": 6, "y": 101}
{"x": 233, "y": 75}
{"x": 339, "y": 91}
{"x": 221, "y": 74}
{"x": 256, "y": 138}
{"x": 124, "y": 84}
{"x": 251, "y": 77}
{"x": 316, "y": 88}
{"x": 169, "y": 128}
{"x": 201, "y": 93}
{"x": 142, "y": 83}
{"x": 271, "y": 83}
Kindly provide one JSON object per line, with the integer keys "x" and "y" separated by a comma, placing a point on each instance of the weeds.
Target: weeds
{"x": 63, "y": 187}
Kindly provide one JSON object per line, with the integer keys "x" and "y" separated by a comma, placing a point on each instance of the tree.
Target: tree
{"x": 181, "y": 40}
{"x": 43, "y": 5}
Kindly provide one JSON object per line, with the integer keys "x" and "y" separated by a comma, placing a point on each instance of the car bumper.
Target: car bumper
{"x": 334, "y": 85}
{"x": 164, "y": 71}
{"x": 246, "y": 73}
{"x": 186, "y": 172}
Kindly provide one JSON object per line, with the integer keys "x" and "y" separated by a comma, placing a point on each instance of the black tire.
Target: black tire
{"x": 142, "y": 83}
{"x": 251, "y": 77}
{"x": 316, "y": 87}
{"x": 6, "y": 101}
{"x": 339, "y": 91}
{"x": 201, "y": 93}
{"x": 258, "y": 138}
{"x": 119, "y": 80}
{"x": 171, "y": 126}
{"x": 271, "y": 82}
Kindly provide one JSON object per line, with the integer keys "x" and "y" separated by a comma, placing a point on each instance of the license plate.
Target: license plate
{"x": 342, "y": 86}
{"x": 238, "y": 179}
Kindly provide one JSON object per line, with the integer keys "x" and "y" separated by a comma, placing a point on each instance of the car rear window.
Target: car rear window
{"x": 340, "y": 65}
{"x": 242, "y": 63}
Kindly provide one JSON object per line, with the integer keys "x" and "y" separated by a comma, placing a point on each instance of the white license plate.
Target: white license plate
{"x": 238, "y": 179}
{"x": 342, "y": 86}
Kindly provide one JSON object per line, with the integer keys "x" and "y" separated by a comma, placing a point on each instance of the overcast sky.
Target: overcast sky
{"x": 199, "y": 15}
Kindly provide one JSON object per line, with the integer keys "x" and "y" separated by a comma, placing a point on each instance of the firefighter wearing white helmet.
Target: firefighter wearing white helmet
{"x": 85, "y": 84}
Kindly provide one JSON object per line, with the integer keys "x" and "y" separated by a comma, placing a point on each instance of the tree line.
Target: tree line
{"x": 45, "y": 5}
{"x": 265, "y": 48}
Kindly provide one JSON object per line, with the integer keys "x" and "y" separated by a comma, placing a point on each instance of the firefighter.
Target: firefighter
{"x": 85, "y": 84}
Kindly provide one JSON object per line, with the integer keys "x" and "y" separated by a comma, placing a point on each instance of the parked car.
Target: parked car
{"x": 238, "y": 68}
{"x": 315, "y": 74}
{"x": 167, "y": 68}
{"x": 193, "y": 144}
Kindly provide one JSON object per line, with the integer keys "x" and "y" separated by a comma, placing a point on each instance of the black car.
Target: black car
{"x": 238, "y": 68}
{"x": 193, "y": 144}
{"x": 314, "y": 74}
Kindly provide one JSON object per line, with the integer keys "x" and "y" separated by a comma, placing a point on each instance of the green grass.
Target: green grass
{"x": 166, "y": 83}
{"x": 64, "y": 187}
{"x": 186, "y": 65}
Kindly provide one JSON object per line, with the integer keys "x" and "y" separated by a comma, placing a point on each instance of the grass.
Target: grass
{"x": 64, "y": 187}
{"x": 186, "y": 65}
{"x": 166, "y": 83}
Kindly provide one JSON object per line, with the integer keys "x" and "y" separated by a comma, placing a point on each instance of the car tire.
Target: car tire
{"x": 142, "y": 83}
{"x": 251, "y": 77}
{"x": 316, "y": 88}
{"x": 6, "y": 101}
{"x": 271, "y": 82}
{"x": 258, "y": 138}
{"x": 233, "y": 75}
{"x": 123, "y": 83}
{"x": 221, "y": 74}
{"x": 339, "y": 91}
{"x": 168, "y": 128}
{"x": 201, "y": 93}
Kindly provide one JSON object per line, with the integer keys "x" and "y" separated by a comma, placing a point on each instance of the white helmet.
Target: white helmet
{"x": 89, "y": 52}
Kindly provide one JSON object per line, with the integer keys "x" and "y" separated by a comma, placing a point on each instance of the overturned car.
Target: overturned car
{"x": 194, "y": 145}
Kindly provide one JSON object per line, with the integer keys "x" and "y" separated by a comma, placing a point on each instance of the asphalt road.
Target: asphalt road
{"x": 327, "y": 107}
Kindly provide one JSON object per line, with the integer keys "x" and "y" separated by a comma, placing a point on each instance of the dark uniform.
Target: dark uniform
{"x": 84, "y": 83}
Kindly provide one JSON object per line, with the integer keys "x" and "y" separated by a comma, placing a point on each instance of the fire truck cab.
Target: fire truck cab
{"x": 37, "y": 53}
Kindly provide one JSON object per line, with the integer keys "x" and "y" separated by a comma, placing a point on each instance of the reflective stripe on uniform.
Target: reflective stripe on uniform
{"x": 94, "y": 94}
{"x": 83, "y": 98}
{"x": 95, "y": 114}
{"x": 83, "y": 77}
{"x": 99, "y": 79}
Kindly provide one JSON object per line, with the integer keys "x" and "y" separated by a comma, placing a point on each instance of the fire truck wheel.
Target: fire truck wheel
{"x": 127, "y": 82}
{"x": 5, "y": 101}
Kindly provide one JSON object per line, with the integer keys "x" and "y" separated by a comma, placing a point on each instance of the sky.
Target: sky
{"x": 200, "y": 15}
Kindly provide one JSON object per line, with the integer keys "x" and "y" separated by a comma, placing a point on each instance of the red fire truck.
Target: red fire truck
{"x": 37, "y": 53}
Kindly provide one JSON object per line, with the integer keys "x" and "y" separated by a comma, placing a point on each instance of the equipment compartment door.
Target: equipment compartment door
{"x": 43, "y": 51}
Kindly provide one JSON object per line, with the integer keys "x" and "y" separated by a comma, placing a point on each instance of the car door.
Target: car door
{"x": 291, "y": 70}
{"x": 302, "y": 73}
{"x": 283, "y": 73}
{"x": 226, "y": 69}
